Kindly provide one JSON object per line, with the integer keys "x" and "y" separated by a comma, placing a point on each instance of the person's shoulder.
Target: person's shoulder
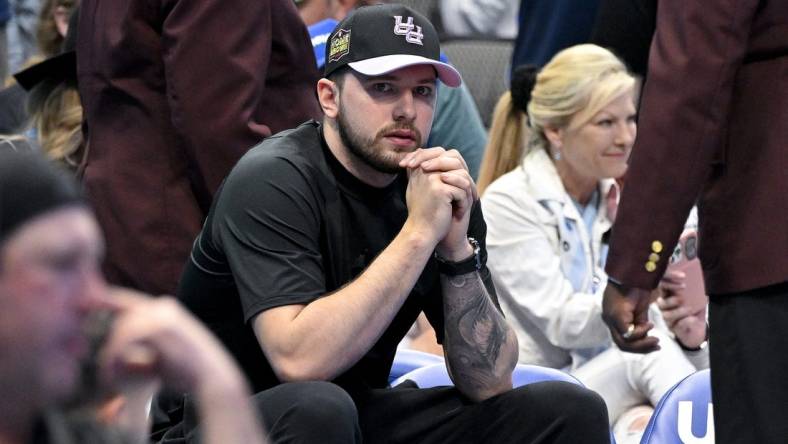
{"x": 296, "y": 149}
{"x": 510, "y": 185}
{"x": 510, "y": 198}
{"x": 300, "y": 141}
{"x": 287, "y": 168}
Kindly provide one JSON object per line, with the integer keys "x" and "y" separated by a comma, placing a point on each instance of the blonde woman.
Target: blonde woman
{"x": 546, "y": 222}
{"x": 54, "y": 105}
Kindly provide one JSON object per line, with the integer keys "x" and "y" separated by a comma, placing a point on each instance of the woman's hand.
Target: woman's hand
{"x": 685, "y": 314}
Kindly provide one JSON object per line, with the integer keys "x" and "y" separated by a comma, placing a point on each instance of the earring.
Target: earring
{"x": 556, "y": 155}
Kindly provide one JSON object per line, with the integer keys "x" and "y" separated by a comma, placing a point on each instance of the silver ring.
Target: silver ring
{"x": 628, "y": 333}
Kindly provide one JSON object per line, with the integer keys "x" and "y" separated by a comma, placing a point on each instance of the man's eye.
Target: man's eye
{"x": 382, "y": 87}
{"x": 425, "y": 91}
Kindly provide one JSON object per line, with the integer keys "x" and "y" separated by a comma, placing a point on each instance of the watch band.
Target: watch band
{"x": 702, "y": 345}
{"x": 465, "y": 266}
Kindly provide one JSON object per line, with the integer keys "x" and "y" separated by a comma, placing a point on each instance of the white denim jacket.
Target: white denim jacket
{"x": 534, "y": 229}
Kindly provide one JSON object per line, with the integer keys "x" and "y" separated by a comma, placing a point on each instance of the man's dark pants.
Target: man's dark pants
{"x": 749, "y": 365}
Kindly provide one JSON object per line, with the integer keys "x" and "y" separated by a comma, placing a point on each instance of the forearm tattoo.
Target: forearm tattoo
{"x": 475, "y": 333}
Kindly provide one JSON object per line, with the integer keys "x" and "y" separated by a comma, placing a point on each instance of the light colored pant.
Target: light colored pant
{"x": 625, "y": 380}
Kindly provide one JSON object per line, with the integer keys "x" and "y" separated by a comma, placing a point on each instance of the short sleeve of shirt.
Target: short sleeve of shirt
{"x": 267, "y": 223}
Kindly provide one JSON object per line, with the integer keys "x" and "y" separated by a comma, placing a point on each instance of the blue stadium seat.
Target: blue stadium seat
{"x": 684, "y": 414}
{"x": 408, "y": 360}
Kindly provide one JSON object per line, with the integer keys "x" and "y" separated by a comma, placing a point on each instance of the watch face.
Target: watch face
{"x": 476, "y": 253}
{"x": 691, "y": 247}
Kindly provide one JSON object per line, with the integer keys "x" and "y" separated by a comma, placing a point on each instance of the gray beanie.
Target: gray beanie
{"x": 29, "y": 186}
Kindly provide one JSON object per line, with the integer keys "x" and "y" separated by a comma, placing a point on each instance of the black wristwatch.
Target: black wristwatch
{"x": 465, "y": 266}
{"x": 702, "y": 345}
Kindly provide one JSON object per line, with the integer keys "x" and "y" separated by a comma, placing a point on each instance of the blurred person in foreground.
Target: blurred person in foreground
{"x": 51, "y": 287}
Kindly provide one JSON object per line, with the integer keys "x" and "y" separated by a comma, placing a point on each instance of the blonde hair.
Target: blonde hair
{"x": 58, "y": 121}
{"x": 506, "y": 143}
{"x": 572, "y": 88}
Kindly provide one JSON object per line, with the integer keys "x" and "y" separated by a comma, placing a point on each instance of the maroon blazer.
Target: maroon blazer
{"x": 713, "y": 130}
{"x": 174, "y": 92}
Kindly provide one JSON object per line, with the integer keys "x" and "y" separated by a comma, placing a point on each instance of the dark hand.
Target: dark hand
{"x": 626, "y": 315}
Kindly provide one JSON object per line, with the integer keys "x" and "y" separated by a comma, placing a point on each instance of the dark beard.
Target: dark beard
{"x": 367, "y": 150}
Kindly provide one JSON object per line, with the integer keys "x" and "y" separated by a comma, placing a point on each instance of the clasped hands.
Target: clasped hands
{"x": 625, "y": 311}
{"x": 440, "y": 195}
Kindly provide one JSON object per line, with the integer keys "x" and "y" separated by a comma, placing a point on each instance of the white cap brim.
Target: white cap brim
{"x": 385, "y": 64}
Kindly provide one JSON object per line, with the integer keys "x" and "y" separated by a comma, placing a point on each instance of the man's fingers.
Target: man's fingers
{"x": 433, "y": 160}
{"x": 630, "y": 332}
{"x": 443, "y": 163}
{"x": 627, "y": 318}
{"x": 469, "y": 184}
{"x": 416, "y": 158}
{"x": 130, "y": 296}
{"x": 618, "y": 322}
{"x": 635, "y": 338}
{"x": 118, "y": 299}
{"x": 635, "y": 332}
{"x": 135, "y": 359}
{"x": 647, "y": 344}
{"x": 461, "y": 179}
{"x": 458, "y": 194}
{"x": 455, "y": 153}
{"x": 425, "y": 158}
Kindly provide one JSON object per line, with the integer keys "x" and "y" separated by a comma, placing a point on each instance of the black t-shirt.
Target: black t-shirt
{"x": 288, "y": 226}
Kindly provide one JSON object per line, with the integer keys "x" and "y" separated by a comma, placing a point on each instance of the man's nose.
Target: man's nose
{"x": 93, "y": 289}
{"x": 405, "y": 109}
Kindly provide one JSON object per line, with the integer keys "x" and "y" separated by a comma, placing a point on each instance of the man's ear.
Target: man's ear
{"x": 328, "y": 96}
{"x": 555, "y": 136}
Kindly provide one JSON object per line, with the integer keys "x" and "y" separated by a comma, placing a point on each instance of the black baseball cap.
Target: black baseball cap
{"x": 375, "y": 40}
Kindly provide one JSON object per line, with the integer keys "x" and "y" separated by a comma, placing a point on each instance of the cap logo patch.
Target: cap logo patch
{"x": 411, "y": 32}
{"x": 340, "y": 45}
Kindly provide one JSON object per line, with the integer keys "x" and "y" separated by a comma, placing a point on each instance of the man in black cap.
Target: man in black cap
{"x": 50, "y": 286}
{"x": 326, "y": 241}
